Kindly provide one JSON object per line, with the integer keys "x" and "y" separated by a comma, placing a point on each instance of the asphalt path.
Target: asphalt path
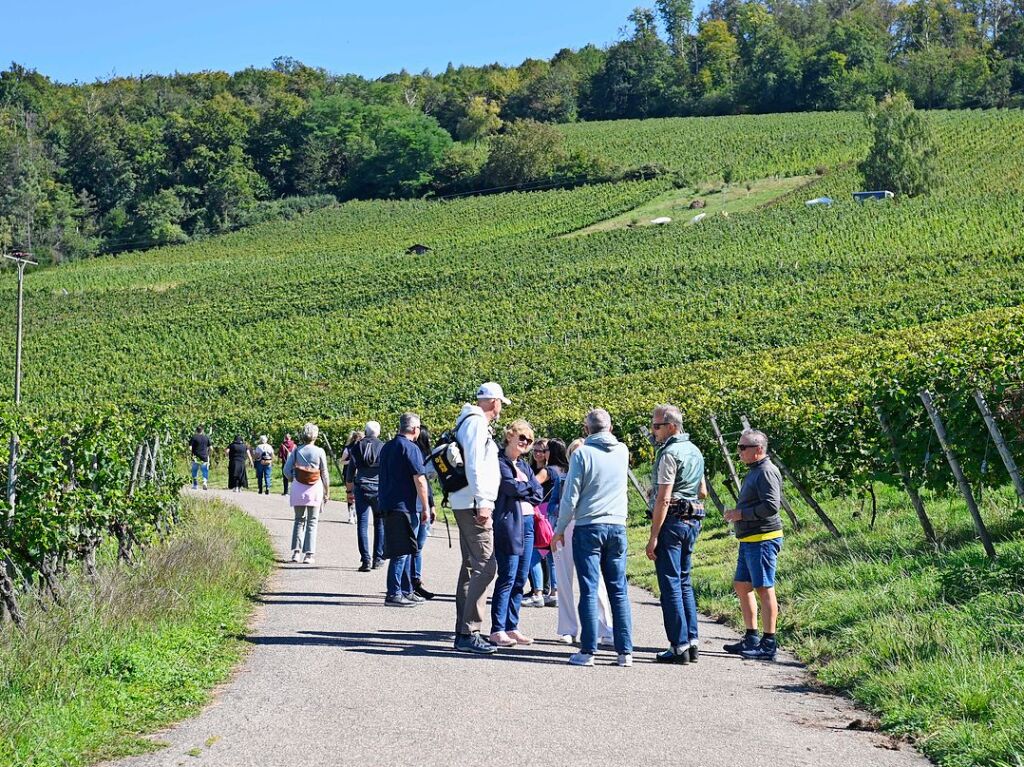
{"x": 336, "y": 678}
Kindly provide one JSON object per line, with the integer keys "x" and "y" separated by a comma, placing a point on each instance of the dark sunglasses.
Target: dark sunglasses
{"x": 524, "y": 440}
{"x": 744, "y": 447}
{"x": 541, "y": 450}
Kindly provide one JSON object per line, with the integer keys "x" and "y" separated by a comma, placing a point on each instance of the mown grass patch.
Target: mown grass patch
{"x": 136, "y": 649}
{"x": 931, "y": 639}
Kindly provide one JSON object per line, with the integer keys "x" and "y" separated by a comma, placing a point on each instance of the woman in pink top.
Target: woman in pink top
{"x": 306, "y": 467}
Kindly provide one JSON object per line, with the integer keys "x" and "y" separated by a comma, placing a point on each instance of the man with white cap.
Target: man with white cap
{"x": 474, "y": 506}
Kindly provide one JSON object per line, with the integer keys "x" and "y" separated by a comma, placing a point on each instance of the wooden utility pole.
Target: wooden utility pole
{"x": 958, "y": 473}
{"x": 997, "y": 437}
{"x": 782, "y": 495}
{"x": 915, "y": 498}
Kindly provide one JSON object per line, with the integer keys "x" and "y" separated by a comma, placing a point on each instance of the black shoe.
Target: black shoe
{"x": 694, "y": 653}
{"x": 474, "y": 643}
{"x": 749, "y": 642}
{"x": 364, "y": 567}
{"x": 765, "y": 650}
{"x": 420, "y": 591}
{"x": 378, "y": 563}
{"x": 672, "y": 656}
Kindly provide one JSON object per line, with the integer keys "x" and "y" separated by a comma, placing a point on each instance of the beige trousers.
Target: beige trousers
{"x": 476, "y": 572}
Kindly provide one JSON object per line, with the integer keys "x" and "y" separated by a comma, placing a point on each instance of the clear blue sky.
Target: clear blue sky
{"x": 87, "y": 40}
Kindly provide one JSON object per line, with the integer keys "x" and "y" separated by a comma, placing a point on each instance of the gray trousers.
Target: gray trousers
{"x": 305, "y": 520}
{"x": 476, "y": 572}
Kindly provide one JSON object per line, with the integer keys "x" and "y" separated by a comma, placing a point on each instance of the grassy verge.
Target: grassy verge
{"x": 138, "y": 649}
{"x": 930, "y": 639}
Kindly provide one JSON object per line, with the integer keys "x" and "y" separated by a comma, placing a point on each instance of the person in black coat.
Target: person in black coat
{"x": 518, "y": 494}
{"x": 238, "y": 457}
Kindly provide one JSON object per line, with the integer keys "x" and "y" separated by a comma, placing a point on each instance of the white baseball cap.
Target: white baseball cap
{"x": 491, "y": 390}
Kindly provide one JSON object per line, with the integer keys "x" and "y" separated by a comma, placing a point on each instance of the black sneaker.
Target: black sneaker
{"x": 673, "y": 655}
{"x": 364, "y": 567}
{"x": 474, "y": 643}
{"x": 419, "y": 590}
{"x": 378, "y": 563}
{"x": 694, "y": 653}
{"x": 749, "y": 642}
{"x": 765, "y": 650}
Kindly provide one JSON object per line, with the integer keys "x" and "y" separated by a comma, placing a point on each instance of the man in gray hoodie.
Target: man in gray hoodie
{"x": 594, "y": 494}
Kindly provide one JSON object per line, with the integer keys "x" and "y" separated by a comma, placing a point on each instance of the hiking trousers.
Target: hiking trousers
{"x": 475, "y": 573}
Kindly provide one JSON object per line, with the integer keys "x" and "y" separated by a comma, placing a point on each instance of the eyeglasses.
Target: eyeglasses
{"x": 524, "y": 440}
{"x": 744, "y": 447}
{"x": 658, "y": 424}
{"x": 541, "y": 450}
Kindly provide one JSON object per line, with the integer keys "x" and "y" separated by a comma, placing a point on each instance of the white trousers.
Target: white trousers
{"x": 568, "y": 612}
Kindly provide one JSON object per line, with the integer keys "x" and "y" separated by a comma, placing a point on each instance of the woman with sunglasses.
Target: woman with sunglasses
{"x": 551, "y": 464}
{"x": 518, "y": 494}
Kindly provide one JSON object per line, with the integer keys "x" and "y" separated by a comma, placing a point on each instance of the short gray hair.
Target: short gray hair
{"x": 407, "y": 422}
{"x": 372, "y": 429}
{"x": 598, "y": 420}
{"x": 754, "y": 437}
{"x": 671, "y": 414}
{"x": 263, "y": 439}
{"x": 310, "y": 432}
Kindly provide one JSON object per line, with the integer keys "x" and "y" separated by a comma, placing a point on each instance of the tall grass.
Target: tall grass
{"x": 135, "y": 649}
{"x": 931, "y": 639}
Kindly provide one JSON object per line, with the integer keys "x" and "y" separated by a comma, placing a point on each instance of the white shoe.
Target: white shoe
{"x": 566, "y": 639}
{"x": 581, "y": 659}
{"x": 308, "y": 560}
{"x": 537, "y": 600}
{"x": 295, "y": 555}
{"x": 625, "y": 659}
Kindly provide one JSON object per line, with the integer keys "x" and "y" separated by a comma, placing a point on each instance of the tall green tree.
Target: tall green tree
{"x": 902, "y": 154}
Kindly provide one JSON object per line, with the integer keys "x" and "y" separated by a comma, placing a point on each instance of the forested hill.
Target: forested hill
{"x": 133, "y": 162}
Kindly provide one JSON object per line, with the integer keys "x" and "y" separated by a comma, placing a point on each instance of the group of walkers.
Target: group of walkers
{"x": 536, "y": 529}
{"x": 240, "y": 456}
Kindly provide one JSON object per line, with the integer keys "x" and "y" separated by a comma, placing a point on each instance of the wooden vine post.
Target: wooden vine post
{"x": 782, "y": 495}
{"x": 958, "y": 473}
{"x": 915, "y": 498}
{"x": 713, "y": 494}
{"x": 997, "y": 437}
{"x": 725, "y": 454}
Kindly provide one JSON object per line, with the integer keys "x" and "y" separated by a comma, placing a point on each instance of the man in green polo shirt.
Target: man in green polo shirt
{"x": 676, "y": 510}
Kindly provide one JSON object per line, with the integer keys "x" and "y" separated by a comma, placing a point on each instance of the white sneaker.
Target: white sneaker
{"x": 308, "y": 560}
{"x": 566, "y": 639}
{"x": 295, "y": 555}
{"x": 581, "y": 659}
{"x": 626, "y": 659}
{"x": 537, "y": 600}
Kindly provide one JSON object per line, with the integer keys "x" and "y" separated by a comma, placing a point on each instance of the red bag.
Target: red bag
{"x": 542, "y": 530}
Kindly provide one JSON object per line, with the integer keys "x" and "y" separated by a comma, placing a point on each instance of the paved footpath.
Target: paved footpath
{"x": 335, "y": 678}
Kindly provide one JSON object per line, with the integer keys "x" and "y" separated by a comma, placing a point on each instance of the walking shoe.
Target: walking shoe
{"x": 679, "y": 655}
{"x": 364, "y": 567}
{"x": 399, "y": 601}
{"x": 581, "y": 659}
{"x": 536, "y": 599}
{"x": 749, "y": 642}
{"x": 296, "y": 554}
{"x": 377, "y": 563}
{"x": 551, "y": 600}
{"x": 608, "y": 641}
{"x": 414, "y": 597}
{"x": 519, "y": 637}
{"x": 765, "y": 650}
{"x": 566, "y": 638}
{"x": 625, "y": 659}
{"x": 205, "y": 486}
{"x": 501, "y": 639}
{"x": 694, "y": 653}
{"x": 195, "y": 485}
{"x": 474, "y": 643}
{"x": 418, "y": 588}
{"x": 308, "y": 560}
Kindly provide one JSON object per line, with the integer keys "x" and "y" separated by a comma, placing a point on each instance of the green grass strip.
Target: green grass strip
{"x": 135, "y": 650}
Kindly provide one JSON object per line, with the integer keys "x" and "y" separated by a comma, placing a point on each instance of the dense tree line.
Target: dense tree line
{"x": 132, "y": 162}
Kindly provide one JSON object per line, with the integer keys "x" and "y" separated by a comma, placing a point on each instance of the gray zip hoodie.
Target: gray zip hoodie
{"x": 594, "y": 490}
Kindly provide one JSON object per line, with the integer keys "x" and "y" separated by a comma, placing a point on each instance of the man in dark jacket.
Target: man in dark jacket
{"x": 759, "y": 532}
{"x": 364, "y": 460}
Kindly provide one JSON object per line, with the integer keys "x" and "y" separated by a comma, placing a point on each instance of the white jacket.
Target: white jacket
{"x": 480, "y": 454}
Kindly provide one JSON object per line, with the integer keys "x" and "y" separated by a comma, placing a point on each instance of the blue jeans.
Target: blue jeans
{"x": 600, "y": 551}
{"x": 674, "y": 555}
{"x": 399, "y": 568}
{"x": 196, "y": 466}
{"x": 263, "y": 477}
{"x": 416, "y": 562}
{"x": 513, "y": 570}
{"x": 365, "y": 505}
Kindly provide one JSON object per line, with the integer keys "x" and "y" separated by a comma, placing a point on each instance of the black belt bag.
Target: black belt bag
{"x": 686, "y": 510}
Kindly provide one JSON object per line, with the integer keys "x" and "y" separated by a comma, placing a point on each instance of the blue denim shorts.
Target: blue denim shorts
{"x": 757, "y": 562}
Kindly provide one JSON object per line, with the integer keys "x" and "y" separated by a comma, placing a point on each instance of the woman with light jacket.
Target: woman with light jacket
{"x": 306, "y": 467}
{"x": 518, "y": 493}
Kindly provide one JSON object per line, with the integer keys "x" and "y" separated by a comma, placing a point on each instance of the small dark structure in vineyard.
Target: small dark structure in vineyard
{"x": 416, "y": 250}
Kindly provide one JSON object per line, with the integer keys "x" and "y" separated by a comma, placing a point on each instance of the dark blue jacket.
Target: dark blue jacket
{"x": 508, "y": 518}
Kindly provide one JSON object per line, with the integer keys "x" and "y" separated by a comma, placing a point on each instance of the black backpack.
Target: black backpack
{"x": 447, "y": 460}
